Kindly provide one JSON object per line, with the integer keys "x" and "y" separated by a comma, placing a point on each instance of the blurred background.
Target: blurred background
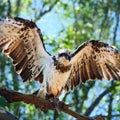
{"x": 66, "y": 24}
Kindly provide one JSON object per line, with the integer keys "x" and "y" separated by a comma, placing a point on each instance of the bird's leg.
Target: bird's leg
{"x": 56, "y": 101}
{"x": 58, "y": 104}
{"x": 50, "y": 98}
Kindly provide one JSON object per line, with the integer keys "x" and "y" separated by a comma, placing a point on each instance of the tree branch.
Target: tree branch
{"x": 49, "y": 9}
{"x": 116, "y": 27}
{"x": 97, "y": 100}
{"x": 5, "y": 115}
{"x": 18, "y": 5}
{"x": 14, "y": 96}
{"x": 43, "y": 12}
{"x": 9, "y": 8}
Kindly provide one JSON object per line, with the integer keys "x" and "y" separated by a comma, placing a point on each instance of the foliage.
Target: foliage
{"x": 80, "y": 20}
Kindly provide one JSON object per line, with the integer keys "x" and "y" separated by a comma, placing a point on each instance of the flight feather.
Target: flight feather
{"x": 22, "y": 41}
{"x": 93, "y": 60}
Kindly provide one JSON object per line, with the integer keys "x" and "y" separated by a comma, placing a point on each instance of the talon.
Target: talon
{"x": 58, "y": 104}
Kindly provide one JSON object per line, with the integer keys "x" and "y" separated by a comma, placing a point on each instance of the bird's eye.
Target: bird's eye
{"x": 68, "y": 57}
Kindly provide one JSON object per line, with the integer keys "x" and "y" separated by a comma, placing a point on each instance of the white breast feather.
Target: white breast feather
{"x": 55, "y": 79}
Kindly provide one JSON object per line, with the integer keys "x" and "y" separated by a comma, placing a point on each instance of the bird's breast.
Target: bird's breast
{"x": 55, "y": 80}
{"x": 57, "y": 83}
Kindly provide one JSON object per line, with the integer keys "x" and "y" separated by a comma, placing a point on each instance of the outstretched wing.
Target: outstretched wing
{"x": 94, "y": 60}
{"x": 22, "y": 41}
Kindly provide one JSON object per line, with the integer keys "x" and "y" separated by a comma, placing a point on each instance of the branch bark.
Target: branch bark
{"x": 14, "y": 96}
{"x": 5, "y": 115}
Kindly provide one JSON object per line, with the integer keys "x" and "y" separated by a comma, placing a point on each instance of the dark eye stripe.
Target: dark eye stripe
{"x": 63, "y": 54}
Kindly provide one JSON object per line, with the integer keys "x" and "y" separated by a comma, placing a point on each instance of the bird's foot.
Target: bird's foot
{"x": 58, "y": 104}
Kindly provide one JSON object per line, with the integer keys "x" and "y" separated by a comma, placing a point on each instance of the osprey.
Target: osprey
{"x": 22, "y": 41}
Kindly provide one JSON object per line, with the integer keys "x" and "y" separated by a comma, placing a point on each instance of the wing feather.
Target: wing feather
{"x": 22, "y": 41}
{"x": 93, "y": 60}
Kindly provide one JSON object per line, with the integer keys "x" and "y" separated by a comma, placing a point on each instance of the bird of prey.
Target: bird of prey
{"x": 22, "y": 41}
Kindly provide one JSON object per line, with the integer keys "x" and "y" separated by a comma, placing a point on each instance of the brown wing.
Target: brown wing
{"x": 22, "y": 41}
{"x": 94, "y": 60}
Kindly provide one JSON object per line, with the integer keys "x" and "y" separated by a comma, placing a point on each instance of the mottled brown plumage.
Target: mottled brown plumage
{"x": 93, "y": 60}
{"x": 19, "y": 42}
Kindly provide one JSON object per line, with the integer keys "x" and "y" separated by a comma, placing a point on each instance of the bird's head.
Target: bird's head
{"x": 64, "y": 57}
